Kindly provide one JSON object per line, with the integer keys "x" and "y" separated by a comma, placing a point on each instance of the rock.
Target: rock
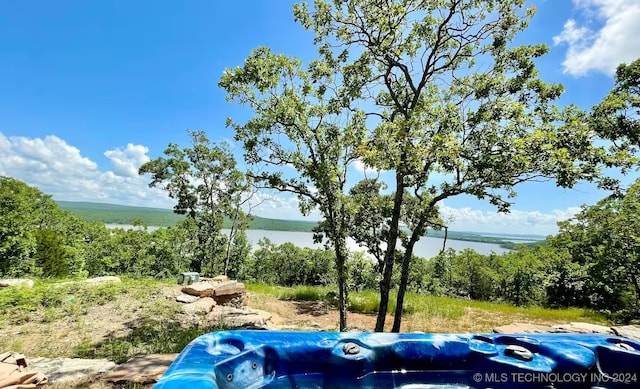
{"x": 91, "y": 281}
{"x": 203, "y": 305}
{"x": 220, "y": 278}
{"x": 583, "y": 328}
{"x": 630, "y": 331}
{"x": 574, "y": 328}
{"x": 69, "y": 369}
{"x": 186, "y": 298}
{"x": 200, "y": 289}
{"x": 142, "y": 370}
{"x": 232, "y": 300}
{"x": 228, "y": 288}
{"x": 522, "y": 328}
{"x": 16, "y": 282}
{"x": 239, "y": 318}
{"x": 101, "y": 280}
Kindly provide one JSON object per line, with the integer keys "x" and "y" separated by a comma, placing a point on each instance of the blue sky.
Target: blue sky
{"x": 91, "y": 90}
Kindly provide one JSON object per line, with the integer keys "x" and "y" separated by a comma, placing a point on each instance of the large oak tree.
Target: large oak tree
{"x": 433, "y": 91}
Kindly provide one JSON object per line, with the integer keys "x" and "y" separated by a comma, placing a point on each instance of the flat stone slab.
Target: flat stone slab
{"x": 186, "y": 298}
{"x": 228, "y": 288}
{"x": 199, "y": 289}
{"x": 142, "y": 370}
{"x": 240, "y": 318}
{"x": 630, "y": 331}
{"x": 214, "y": 289}
{"x": 584, "y": 328}
{"x": 16, "y": 282}
{"x": 523, "y": 328}
{"x": 69, "y": 369}
{"x": 202, "y": 306}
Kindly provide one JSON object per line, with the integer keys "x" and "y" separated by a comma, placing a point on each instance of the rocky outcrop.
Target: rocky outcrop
{"x": 583, "y": 328}
{"x": 69, "y": 369}
{"x": 523, "y": 328}
{"x": 25, "y": 282}
{"x": 142, "y": 370}
{"x": 202, "y": 305}
{"x": 224, "y": 302}
{"x": 186, "y": 298}
{"x": 220, "y": 278}
{"x": 200, "y": 289}
{"x": 239, "y": 318}
{"x": 224, "y": 293}
{"x": 630, "y": 331}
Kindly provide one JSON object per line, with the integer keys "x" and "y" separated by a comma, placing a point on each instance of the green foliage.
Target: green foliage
{"x": 17, "y": 304}
{"x": 34, "y": 233}
{"x": 429, "y": 306}
{"x": 208, "y": 187}
{"x": 603, "y": 244}
{"x": 542, "y": 275}
{"x": 51, "y": 255}
{"x": 617, "y": 119}
{"x": 22, "y": 210}
{"x": 289, "y": 265}
{"x": 398, "y": 87}
{"x": 362, "y": 273}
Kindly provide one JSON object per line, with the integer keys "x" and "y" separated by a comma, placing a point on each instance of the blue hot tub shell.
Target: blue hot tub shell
{"x": 278, "y": 359}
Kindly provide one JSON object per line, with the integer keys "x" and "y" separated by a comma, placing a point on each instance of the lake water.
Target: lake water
{"x": 426, "y": 247}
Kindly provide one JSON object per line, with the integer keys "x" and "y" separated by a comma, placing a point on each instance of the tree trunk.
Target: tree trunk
{"x": 385, "y": 283}
{"x": 636, "y": 286}
{"x": 342, "y": 283}
{"x": 229, "y": 243}
{"x": 404, "y": 278}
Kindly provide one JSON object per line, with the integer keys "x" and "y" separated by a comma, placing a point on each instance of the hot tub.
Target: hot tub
{"x": 279, "y": 359}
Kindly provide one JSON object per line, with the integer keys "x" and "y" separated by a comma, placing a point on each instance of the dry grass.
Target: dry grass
{"x": 95, "y": 382}
{"x": 141, "y": 317}
{"x": 75, "y": 321}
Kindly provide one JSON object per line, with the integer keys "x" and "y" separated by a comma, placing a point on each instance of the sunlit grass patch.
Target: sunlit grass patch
{"x": 297, "y": 293}
{"x": 437, "y": 313}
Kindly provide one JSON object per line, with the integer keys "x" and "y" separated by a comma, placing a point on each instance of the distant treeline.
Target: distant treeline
{"x": 121, "y": 214}
{"x": 585, "y": 265}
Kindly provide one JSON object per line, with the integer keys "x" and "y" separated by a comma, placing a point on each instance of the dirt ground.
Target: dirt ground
{"x": 50, "y": 334}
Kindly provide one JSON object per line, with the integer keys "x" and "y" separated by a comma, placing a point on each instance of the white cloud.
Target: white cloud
{"x": 59, "y": 169}
{"x": 613, "y": 41}
{"x": 362, "y": 168}
{"x": 127, "y": 161}
{"x": 516, "y": 222}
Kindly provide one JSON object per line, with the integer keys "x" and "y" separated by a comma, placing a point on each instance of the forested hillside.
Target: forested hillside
{"x": 395, "y": 112}
{"x": 573, "y": 269}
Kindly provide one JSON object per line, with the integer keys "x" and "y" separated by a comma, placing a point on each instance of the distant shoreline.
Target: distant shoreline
{"x": 153, "y": 218}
